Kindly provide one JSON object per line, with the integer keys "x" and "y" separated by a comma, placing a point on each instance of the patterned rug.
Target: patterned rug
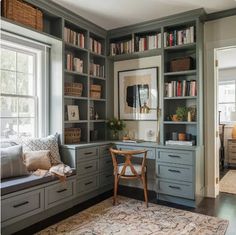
{"x": 131, "y": 217}
{"x": 228, "y": 183}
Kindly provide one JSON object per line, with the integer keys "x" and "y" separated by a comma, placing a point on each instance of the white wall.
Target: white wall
{"x": 217, "y": 34}
{"x": 138, "y": 129}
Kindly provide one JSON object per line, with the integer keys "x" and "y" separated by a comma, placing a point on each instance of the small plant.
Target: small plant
{"x": 115, "y": 124}
{"x": 182, "y": 113}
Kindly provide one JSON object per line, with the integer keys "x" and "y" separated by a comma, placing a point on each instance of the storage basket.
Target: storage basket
{"x": 72, "y": 135}
{"x": 95, "y": 91}
{"x": 73, "y": 89}
{"x": 24, "y": 13}
{"x": 181, "y": 64}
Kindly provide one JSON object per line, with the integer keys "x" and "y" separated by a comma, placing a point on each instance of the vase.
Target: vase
{"x": 114, "y": 135}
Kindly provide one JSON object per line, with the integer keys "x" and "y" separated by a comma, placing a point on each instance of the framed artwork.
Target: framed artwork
{"x": 73, "y": 112}
{"x": 138, "y": 94}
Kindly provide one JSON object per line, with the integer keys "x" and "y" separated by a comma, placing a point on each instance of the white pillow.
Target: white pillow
{"x": 48, "y": 143}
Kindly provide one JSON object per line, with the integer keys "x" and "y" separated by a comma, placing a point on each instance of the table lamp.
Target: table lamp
{"x": 233, "y": 119}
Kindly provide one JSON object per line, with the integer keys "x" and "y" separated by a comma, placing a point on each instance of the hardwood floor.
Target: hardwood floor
{"x": 224, "y": 206}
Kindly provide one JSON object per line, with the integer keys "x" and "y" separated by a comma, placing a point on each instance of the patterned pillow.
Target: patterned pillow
{"x": 12, "y": 162}
{"x": 47, "y": 143}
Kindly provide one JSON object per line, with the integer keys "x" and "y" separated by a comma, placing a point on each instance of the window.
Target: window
{"x": 227, "y": 99}
{"x": 21, "y": 84}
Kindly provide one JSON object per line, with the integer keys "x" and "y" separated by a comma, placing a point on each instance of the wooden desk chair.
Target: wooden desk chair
{"x": 127, "y": 170}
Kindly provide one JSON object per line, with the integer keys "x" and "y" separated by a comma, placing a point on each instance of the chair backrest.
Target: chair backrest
{"x": 128, "y": 154}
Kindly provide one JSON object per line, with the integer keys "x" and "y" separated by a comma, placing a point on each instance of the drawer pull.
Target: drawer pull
{"x": 175, "y": 171}
{"x": 88, "y": 153}
{"x": 21, "y": 204}
{"x": 87, "y": 167}
{"x": 62, "y": 190}
{"x": 90, "y": 182}
{"x": 174, "y": 187}
{"x": 174, "y": 156}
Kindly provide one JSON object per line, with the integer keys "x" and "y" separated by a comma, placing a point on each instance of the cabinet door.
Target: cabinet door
{"x": 106, "y": 178}
{"x": 59, "y": 193}
{"x": 104, "y": 150}
{"x": 87, "y": 184}
{"x": 86, "y": 153}
{"x": 22, "y": 206}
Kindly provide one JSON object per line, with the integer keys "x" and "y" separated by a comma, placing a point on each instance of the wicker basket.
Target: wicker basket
{"x": 95, "y": 91}
{"x": 24, "y": 13}
{"x": 72, "y": 135}
{"x": 181, "y": 64}
{"x": 73, "y": 89}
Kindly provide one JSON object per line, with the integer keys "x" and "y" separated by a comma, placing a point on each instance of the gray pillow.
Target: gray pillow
{"x": 12, "y": 162}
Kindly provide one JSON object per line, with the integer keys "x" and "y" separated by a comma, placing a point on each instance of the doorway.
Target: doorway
{"x": 226, "y": 117}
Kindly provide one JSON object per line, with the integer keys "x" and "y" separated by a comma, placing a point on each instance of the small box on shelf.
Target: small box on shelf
{"x": 72, "y": 135}
{"x": 95, "y": 91}
{"x": 181, "y": 64}
{"x": 73, "y": 89}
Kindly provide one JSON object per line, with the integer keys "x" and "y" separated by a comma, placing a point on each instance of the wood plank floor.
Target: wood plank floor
{"x": 224, "y": 206}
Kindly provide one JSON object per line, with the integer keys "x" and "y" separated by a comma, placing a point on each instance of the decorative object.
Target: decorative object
{"x": 96, "y": 116}
{"x": 72, "y": 135}
{"x": 189, "y": 118}
{"x": 227, "y": 184}
{"x": 188, "y": 136}
{"x": 115, "y": 125}
{"x": 91, "y": 112}
{"x": 73, "y": 112}
{"x": 181, "y": 136}
{"x": 174, "y": 135}
{"x": 73, "y": 89}
{"x": 181, "y": 64}
{"x": 182, "y": 113}
{"x": 193, "y": 111}
{"x": 129, "y": 216}
{"x": 233, "y": 119}
{"x": 95, "y": 91}
{"x": 174, "y": 118}
{"x": 138, "y": 94}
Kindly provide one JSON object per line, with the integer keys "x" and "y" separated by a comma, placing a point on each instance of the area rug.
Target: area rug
{"x": 131, "y": 217}
{"x": 228, "y": 182}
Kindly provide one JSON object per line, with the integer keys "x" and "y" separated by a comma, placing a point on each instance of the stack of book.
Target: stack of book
{"x": 147, "y": 42}
{"x": 179, "y": 142}
{"x": 97, "y": 70}
{"x": 73, "y": 63}
{"x": 123, "y": 47}
{"x": 180, "y": 88}
{"x": 179, "y": 37}
{"x": 73, "y": 37}
{"x": 95, "y": 46}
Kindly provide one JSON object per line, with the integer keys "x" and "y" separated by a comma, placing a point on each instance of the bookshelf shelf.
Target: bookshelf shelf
{"x": 100, "y": 100}
{"x": 99, "y": 120}
{"x": 75, "y": 97}
{"x": 180, "y": 73}
{"x": 75, "y": 73}
{"x": 180, "y": 123}
{"x": 75, "y": 122}
{"x": 73, "y": 46}
{"x": 96, "y": 54}
{"x": 180, "y": 98}
{"x": 181, "y": 47}
{"x": 96, "y": 77}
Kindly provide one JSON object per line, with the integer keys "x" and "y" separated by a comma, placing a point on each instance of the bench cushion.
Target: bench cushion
{"x": 11, "y": 185}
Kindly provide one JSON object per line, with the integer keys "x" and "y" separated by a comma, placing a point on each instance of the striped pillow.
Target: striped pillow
{"x": 12, "y": 162}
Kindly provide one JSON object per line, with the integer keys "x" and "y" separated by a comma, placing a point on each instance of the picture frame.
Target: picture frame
{"x": 73, "y": 112}
{"x": 138, "y": 94}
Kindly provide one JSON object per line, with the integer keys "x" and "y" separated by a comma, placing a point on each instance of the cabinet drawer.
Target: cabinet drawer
{"x": 150, "y": 154}
{"x": 88, "y": 184}
{"x": 105, "y": 163}
{"x": 106, "y": 178}
{"x": 176, "y": 157}
{"x": 86, "y": 153}
{"x": 88, "y": 167}
{"x": 58, "y": 193}
{"x": 175, "y": 173}
{"x": 22, "y": 206}
{"x": 104, "y": 150}
{"x": 176, "y": 189}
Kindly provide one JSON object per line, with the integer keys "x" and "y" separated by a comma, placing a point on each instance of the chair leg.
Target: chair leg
{"x": 144, "y": 180}
{"x": 115, "y": 189}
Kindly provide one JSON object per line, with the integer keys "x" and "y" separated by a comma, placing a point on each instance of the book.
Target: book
{"x": 178, "y": 142}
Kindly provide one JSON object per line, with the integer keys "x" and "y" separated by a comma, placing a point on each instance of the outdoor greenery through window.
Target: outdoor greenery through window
{"x": 227, "y": 99}
{"x": 18, "y": 93}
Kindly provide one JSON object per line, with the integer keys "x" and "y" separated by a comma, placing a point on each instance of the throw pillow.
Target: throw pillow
{"x": 48, "y": 143}
{"x": 35, "y": 160}
{"x": 12, "y": 162}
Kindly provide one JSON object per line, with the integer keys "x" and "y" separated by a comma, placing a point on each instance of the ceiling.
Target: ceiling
{"x": 111, "y": 14}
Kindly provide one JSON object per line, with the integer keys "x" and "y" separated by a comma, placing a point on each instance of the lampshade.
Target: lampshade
{"x": 233, "y": 116}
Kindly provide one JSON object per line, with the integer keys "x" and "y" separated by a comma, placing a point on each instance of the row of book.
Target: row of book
{"x": 124, "y": 47}
{"x": 179, "y": 37}
{"x": 97, "y": 70}
{"x": 180, "y": 88}
{"x": 73, "y": 37}
{"x": 74, "y": 63}
{"x": 95, "y": 46}
{"x": 149, "y": 42}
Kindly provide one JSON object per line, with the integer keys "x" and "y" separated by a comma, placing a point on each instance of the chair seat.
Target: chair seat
{"x": 128, "y": 172}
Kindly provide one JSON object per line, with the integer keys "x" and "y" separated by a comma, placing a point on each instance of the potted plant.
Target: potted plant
{"x": 182, "y": 113}
{"x": 115, "y": 125}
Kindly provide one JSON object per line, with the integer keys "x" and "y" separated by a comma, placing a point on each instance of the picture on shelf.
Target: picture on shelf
{"x": 138, "y": 94}
{"x": 73, "y": 112}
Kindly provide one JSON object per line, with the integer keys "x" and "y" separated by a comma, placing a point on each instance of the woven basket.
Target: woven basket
{"x": 181, "y": 64}
{"x": 24, "y": 13}
{"x": 73, "y": 89}
{"x": 72, "y": 135}
{"x": 95, "y": 91}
